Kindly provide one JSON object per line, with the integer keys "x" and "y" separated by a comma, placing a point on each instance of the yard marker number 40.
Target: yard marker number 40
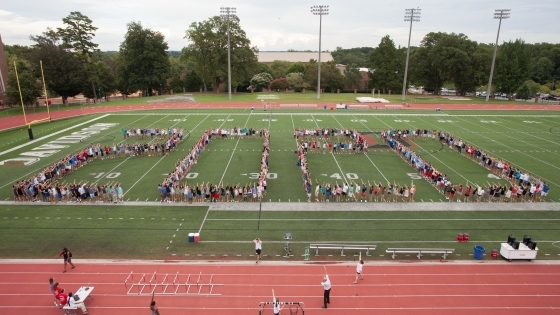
{"x": 348, "y": 175}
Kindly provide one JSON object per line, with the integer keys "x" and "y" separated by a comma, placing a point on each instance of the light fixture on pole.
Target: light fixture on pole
{"x": 227, "y": 13}
{"x": 411, "y": 15}
{"x": 319, "y": 10}
{"x": 499, "y": 15}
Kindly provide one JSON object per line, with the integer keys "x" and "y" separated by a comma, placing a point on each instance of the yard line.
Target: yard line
{"x": 114, "y": 168}
{"x": 155, "y": 165}
{"x": 527, "y": 133}
{"x": 533, "y": 158}
{"x": 507, "y": 135}
{"x": 224, "y": 174}
{"x": 452, "y": 169}
{"x": 374, "y": 165}
{"x": 332, "y": 154}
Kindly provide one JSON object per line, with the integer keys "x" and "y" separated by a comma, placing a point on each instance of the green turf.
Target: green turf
{"x": 99, "y": 231}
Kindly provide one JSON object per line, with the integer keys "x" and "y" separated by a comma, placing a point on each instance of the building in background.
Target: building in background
{"x": 3, "y": 75}
{"x": 268, "y": 57}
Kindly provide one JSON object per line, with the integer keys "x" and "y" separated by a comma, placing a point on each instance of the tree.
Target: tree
{"x": 296, "y": 67}
{"x": 533, "y": 86}
{"x": 143, "y": 62}
{"x": 357, "y": 56}
{"x": 543, "y": 70}
{"x": 208, "y": 49}
{"x": 295, "y": 81}
{"x": 513, "y": 66}
{"x": 524, "y": 92}
{"x": 29, "y": 85}
{"x": 353, "y": 76}
{"x": 192, "y": 82}
{"x": 260, "y": 81}
{"x": 385, "y": 60}
{"x": 77, "y": 36}
{"x": 279, "y": 84}
{"x": 65, "y": 74}
{"x": 280, "y": 68}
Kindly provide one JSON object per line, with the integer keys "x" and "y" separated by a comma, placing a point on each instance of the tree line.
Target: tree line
{"x": 72, "y": 64}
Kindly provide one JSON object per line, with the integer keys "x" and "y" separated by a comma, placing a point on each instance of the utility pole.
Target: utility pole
{"x": 498, "y": 15}
{"x": 411, "y": 15}
{"x": 319, "y": 10}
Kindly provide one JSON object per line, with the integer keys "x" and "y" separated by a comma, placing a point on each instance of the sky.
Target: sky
{"x": 289, "y": 24}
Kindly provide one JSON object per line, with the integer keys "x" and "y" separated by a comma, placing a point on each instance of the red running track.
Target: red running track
{"x": 18, "y": 121}
{"x": 388, "y": 288}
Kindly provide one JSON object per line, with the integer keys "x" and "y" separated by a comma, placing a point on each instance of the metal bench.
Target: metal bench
{"x": 420, "y": 251}
{"x": 69, "y": 310}
{"x": 342, "y": 247}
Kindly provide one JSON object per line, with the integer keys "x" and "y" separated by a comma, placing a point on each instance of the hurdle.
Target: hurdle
{"x": 170, "y": 285}
{"x": 294, "y": 307}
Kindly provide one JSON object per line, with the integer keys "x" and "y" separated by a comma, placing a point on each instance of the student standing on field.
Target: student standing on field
{"x": 258, "y": 248}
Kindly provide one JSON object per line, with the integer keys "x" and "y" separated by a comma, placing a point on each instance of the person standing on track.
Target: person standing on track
{"x": 277, "y": 306}
{"x": 67, "y": 255}
{"x": 153, "y": 307}
{"x": 53, "y": 285}
{"x": 359, "y": 270}
{"x": 258, "y": 248}
{"x": 327, "y": 291}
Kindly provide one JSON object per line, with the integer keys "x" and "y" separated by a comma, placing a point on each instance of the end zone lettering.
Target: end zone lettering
{"x": 46, "y": 149}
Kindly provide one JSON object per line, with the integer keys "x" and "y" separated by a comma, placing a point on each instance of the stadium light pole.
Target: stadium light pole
{"x": 411, "y": 15}
{"x": 319, "y": 10}
{"x": 498, "y": 15}
{"x": 227, "y": 13}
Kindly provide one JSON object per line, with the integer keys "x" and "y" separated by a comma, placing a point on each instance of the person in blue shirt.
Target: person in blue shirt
{"x": 544, "y": 191}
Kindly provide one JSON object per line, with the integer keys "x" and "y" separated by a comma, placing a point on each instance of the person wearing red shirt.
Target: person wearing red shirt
{"x": 62, "y": 298}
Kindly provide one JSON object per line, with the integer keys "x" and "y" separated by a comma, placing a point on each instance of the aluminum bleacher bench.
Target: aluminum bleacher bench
{"x": 420, "y": 251}
{"x": 342, "y": 247}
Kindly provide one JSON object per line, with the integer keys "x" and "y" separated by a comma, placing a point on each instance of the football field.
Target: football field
{"x": 529, "y": 141}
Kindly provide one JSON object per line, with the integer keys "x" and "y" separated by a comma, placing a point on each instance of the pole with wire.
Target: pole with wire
{"x": 411, "y": 15}
{"x": 227, "y": 13}
{"x": 499, "y": 14}
{"x": 319, "y": 10}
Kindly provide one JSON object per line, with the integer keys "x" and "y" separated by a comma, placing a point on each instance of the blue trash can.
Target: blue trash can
{"x": 324, "y": 106}
{"x": 478, "y": 252}
{"x": 345, "y": 106}
{"x": 191, "y": 237}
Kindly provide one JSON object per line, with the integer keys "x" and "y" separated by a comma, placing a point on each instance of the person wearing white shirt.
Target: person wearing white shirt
{"x": 359, "y": 271}
{"x": 327, "y": 290}
{"x": 277, "y": 306}
{"x": 78, "y": 304}
{"x": 258, "y": 248}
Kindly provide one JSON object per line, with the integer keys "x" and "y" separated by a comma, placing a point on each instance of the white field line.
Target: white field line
{"x": 345, "y": 180}
{"x": 224, "y": 174}
{"x": 50, "y": 163}
{"x": 50, "y": 135}
{"x": 496, "y": 155}
{"x": 302, "y": 113}
{"x": 451, "y": 168}
{"x": 396, "y": 219}
{"x": 507, "y": 135}
{"x": 114, "y": 168}
{"x": 156, "y": 164}
{"x": 367, "y": 156}
{"x": 527, "y": 133}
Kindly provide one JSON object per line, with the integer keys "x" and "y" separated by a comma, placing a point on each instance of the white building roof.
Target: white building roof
{"x": 270, "y": 56}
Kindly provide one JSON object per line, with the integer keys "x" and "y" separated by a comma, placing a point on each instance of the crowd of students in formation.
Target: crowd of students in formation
{"x": 522, "y": 186}
{"x": 335, "y": 141}
{"x": 173, "y": 190}
{"x": 45, "y": 187}
{"x": 111, "y": 192}
{"x": 148, "y": 133}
